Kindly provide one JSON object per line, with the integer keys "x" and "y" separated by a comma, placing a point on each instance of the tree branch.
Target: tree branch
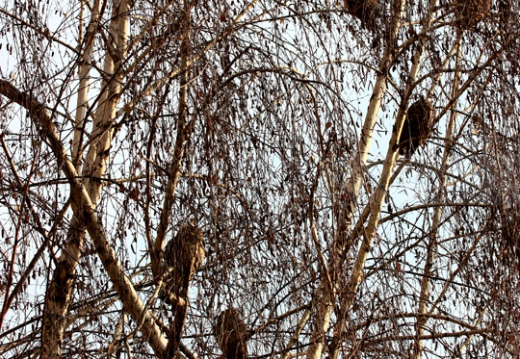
{"x": 84, "y": 208}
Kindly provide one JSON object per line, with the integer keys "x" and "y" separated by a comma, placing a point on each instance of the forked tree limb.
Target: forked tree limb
{"x": 84, "y": 208}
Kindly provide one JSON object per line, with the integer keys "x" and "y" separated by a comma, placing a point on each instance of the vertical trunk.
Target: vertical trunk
{"x": 84, "y": 83}
{"x": 327, "y": 293}
{"x": 175, "y": 166}
{"x": 294, "y": 338}
{"x": 115, "y": 347}
{"x": 432, "y": 242}
{"x": 324, "y": 308}
{"x": 58, "y": 295}
{"x": 84, "y": 208}
{"x": 378, "y": 197}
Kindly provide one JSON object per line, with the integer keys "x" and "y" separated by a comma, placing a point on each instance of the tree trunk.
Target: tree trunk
{"x": 58, "y": 295}
{"x": 424, "y": 296}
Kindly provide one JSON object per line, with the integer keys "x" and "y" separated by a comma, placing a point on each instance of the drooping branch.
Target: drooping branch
{"x": 84, "y": 208}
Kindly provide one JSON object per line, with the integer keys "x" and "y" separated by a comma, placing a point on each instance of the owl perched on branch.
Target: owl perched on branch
{"x": 470, "y": 12}
{"x": 183, "y": 255}
{"x": 417, "y": 127}
{"x": 365, "y": 10}
{"x": 231, "y": 334}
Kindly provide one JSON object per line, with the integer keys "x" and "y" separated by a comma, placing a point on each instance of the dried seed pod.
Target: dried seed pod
{"x": 231, "y": 334}
{"x": 417, "y": 127}
{"x": 365, "y": 10}
{"x": 470, "y": 12}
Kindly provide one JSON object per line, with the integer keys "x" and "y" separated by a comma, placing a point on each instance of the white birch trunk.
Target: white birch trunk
{"x": 326, "y": 296}
{"x": 422, "y": 318}
{"x": 59, "y": 293}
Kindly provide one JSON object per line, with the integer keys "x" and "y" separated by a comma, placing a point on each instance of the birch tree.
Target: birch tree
{"x": 272, "y": 130}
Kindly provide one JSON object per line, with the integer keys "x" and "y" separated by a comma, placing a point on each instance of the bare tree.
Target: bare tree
{"x": 162, "y": 161}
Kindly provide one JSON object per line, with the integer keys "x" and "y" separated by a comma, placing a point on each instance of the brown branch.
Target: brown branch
{"x": 84, "y": 208}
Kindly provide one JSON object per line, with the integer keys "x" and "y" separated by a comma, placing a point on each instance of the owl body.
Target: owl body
{"x": 470, "y": 12}
{"x": 417, "y": 127}
{"x": 231, "y": 334}
{"x": 365, "y": 10}
{"x": 183, "y": 255}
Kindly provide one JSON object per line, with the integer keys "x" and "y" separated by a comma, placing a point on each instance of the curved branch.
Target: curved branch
{"x": 84, "y": 208}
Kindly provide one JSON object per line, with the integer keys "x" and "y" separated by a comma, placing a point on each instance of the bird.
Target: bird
{"x": 470, "y": 12}
{"x": 365, "y": 10}
{"x": 231, "y": 334}
{"x": 417, "y": 127}
{"x": 183, "y": 255}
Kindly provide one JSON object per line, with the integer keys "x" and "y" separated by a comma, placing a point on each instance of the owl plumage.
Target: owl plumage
{"x": 231, "y": 334}
{"x": 469, "y": 13}
{"x": 183, "y": 255}
{"x": 417, "y": 127}
{"x": 365, "y": 10}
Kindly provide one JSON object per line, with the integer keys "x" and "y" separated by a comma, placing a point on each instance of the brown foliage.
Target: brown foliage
{"x": 417, "y": 127}
{"x": 231, "y": 334}
{"x": 267, "y": 122}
